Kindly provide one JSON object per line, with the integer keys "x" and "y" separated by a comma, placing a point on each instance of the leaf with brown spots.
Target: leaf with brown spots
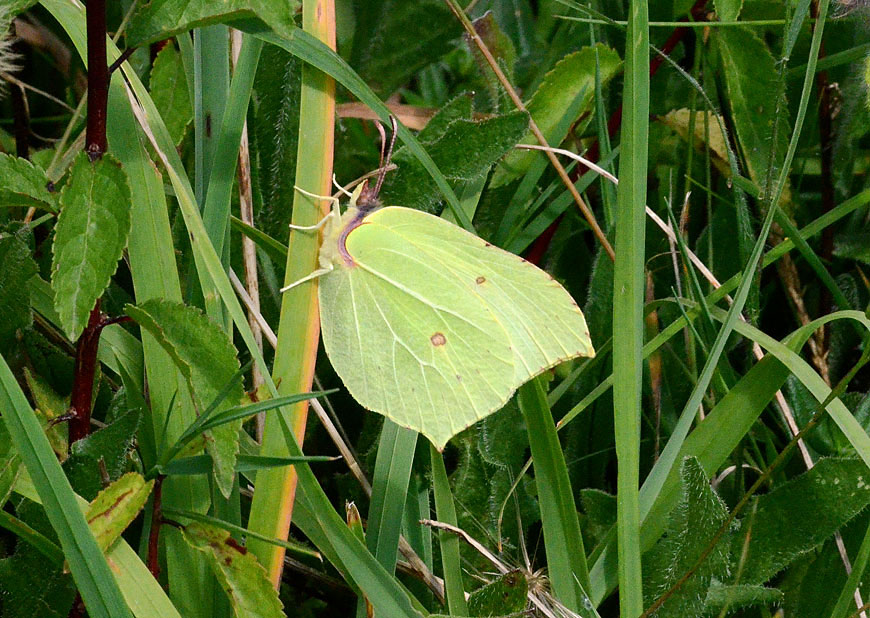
{"x": 241, "y": 576}
{"x": 116, "y": 507}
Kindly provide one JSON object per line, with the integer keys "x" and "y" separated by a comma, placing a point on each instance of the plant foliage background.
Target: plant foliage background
{"x": 727, "y": 477}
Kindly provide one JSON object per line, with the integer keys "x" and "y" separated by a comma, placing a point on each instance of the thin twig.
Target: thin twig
{"x": 512, "y": 93}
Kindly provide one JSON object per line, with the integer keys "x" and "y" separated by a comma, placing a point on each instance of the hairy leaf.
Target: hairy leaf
{"x": 90, "y": 237}
{"x": 241, "y": 576}
{"x": 696, "y": 519}
{"x": 464, "y": 151}
{"x": 568, "y": 89}
{"x": 106, "y": 450}
{"x": 736, "y": 597}
{"x": 169, "y": 90}
{"x": 811, "y": 507}
{"x": 506, "y": 595}
{"x": 207, "y": 359}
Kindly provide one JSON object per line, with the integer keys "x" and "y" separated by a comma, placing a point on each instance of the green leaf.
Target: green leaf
{"x": 30, "y": 584}
{"x": 49, "y": 406}
{"x": 24, "y": 184}
{"x": 273, "y": 122}
{"x": 696, "y": 519}
{"x": 720, "y": 597}
{"x": 506, "y": 595}
{"x": 18, "y": 269}
{"x": 116, "y": 507}
{"x": 162, "y": 19}
{"x": 10, "y": 465}
{"x": 389, "y": 44}
{"x": 90, "y": 236}
{"x": 568, "y": 88}
{"x": 107, "y": 449}
{"x": 728, "y": 10}
{"x": 600, "y": 510}
{"x": 750, "y": 78}
{"x": 169, "y": 90}
{"x": 207, "y": 359}
{"x": 811, "y": 507}
{"x": 244, "y": 579}
{"x": 465, "y": 151}
{"x": 94, "y": 578}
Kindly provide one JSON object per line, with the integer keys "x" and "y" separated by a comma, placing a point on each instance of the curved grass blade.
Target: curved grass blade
{"x": 91, "y": 572}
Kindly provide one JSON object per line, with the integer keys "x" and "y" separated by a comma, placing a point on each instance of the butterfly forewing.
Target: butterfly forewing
{"x": 410, "y": 341}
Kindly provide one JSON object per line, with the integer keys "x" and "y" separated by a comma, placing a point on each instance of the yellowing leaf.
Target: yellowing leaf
{"x": 241, "y": 576}
{"x": 116, "y": 507}
{"x": 679, "y": 120}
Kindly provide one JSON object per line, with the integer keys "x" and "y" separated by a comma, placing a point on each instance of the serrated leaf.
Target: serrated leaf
{"x": 162, "y": 19}
{"x": 18, "y": 269}
{"x": 168, "y": 87}
{"x": 207, "y": 360}
{"x": 569, "y": 86}
{"x": 116, "y": 507}
{"x": 739, "y": 596}
{"x": 693, "y": 523}
{"x": 106, "y": 450}
{"x": 728, "y": 10}
{"x": 49, "y": 406}
{"x": 241, "y": 576}
{"x": 750, "y": 79}
{"x": 24, "y": 184}
{"x": 466, "y": 150}
{"x": 811, "y": 507}
{"x": 390, "y": 45}
{"x": 502, "y": 50}
{"x": 506, "y": 595}
{"x": 90, "y": 237}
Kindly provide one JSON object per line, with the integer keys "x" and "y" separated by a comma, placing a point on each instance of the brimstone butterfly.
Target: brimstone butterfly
{"x": 429, "y": 325}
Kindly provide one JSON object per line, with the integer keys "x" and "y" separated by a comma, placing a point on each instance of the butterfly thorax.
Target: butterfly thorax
{"x": 334, "y": 249}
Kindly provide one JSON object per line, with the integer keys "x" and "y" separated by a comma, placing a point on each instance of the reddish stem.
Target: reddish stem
{"x": 98, "y": 79}
{"x": 156, "y": 521}
{"x": 81, "y": 399}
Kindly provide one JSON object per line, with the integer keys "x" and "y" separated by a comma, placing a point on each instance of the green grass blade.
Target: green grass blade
{"x": 91, "y": 572}
{"x": 310, "y": 50}
{"x": 628, "y": 299}
{"x": 566, "y": 556}
{"x": 389, "y": 493}
{"x": 445, "y": 510}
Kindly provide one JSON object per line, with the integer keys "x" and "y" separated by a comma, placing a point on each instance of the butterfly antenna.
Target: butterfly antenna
{"x": 385, "y": 159}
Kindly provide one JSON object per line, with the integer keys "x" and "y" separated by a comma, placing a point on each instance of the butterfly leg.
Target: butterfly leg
{"x": 314, "y": 275}
{"x": 340, "y": 188}
{"x": 335, "y": 212}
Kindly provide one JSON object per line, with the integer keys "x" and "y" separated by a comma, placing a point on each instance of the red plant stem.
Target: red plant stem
{"x": 83, "y": 376}
{"x": 156, "y": 521}
{"x": 98, "y": 79}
